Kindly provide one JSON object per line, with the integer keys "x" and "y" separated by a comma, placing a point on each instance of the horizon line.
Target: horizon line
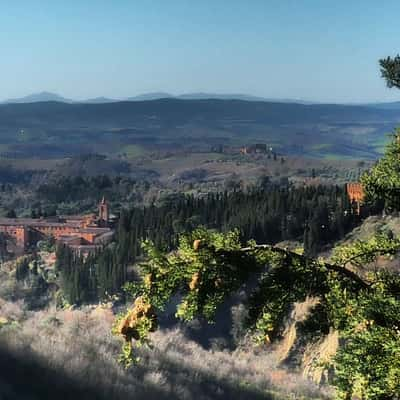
{"x": 213, "y": 95}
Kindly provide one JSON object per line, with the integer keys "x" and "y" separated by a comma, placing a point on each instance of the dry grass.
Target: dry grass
{"x": 79, "y": 346}
{"x": 300, "y": 312}
{"x": 318, "y": 355}
{"x": 246, "y": 366}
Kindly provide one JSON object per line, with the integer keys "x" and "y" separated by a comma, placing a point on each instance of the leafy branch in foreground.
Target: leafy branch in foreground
{"x": 382, "y": 182}
{"x": 208, "y": 267}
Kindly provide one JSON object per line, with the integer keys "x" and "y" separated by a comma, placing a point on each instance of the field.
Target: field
{"x": 210, "y": 167}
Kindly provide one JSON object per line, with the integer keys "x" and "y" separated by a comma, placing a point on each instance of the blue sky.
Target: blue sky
{"x": 322, "y": 50}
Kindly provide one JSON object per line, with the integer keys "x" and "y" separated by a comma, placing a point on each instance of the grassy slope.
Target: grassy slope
{"x": 176, "y": 368}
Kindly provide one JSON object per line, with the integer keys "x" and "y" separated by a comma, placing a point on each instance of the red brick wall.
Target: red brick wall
{"x": 89, "y": 237}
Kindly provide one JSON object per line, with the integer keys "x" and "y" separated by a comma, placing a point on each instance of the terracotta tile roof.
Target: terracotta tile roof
{"x": 30, "y": 222}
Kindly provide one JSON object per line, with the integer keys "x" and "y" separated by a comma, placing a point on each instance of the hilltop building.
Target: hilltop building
{"x": 258, "y": 148}
{"x": 84, "y": 233}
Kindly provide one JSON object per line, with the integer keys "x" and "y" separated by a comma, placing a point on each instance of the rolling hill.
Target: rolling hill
{"x": 56, "y": 129}
{"x": 39, "y": 97}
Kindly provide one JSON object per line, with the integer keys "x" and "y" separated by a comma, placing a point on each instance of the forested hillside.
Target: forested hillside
{"x": 355, "y": 294}
{"x": 271, "y": 214}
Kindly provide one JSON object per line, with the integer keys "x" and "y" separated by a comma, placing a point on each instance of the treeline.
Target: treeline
{"x": 315, "y": 215}
{"x": 78, "y": 194}
{"x": 91, "y": 278}
{"x": 65, "y": 188}
{"x": 10, "y": 176}
{"x": 32, "y": 284}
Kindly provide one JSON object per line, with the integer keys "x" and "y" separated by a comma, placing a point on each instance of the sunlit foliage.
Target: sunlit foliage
{"x": 208, "y": 267}
{"x": 382, "y": 182}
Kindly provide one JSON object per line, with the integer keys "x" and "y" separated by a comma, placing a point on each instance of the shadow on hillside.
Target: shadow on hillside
{"x": 221, "y": 330}
{"x": 23, "y": 377}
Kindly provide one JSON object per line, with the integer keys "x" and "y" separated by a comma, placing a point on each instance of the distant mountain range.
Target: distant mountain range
{"x": 49, "y": 96}
{"x": 39, "y": 97}
{"x": 395, "y": 105}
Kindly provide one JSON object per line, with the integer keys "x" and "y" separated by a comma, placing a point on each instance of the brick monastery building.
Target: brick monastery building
{"x": 84, "y": 233}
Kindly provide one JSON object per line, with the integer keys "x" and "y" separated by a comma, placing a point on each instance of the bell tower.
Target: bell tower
{"x": 104, "y": 213}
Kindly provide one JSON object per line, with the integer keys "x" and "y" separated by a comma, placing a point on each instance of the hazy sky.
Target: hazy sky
{"x": 324, "y": 50}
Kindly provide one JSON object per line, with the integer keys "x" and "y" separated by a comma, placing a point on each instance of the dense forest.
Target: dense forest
{"x": 267, "y": 214}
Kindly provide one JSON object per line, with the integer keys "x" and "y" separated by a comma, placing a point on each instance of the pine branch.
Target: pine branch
{"x": 373, "y": 252}
{"x": 332, "y": 267}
